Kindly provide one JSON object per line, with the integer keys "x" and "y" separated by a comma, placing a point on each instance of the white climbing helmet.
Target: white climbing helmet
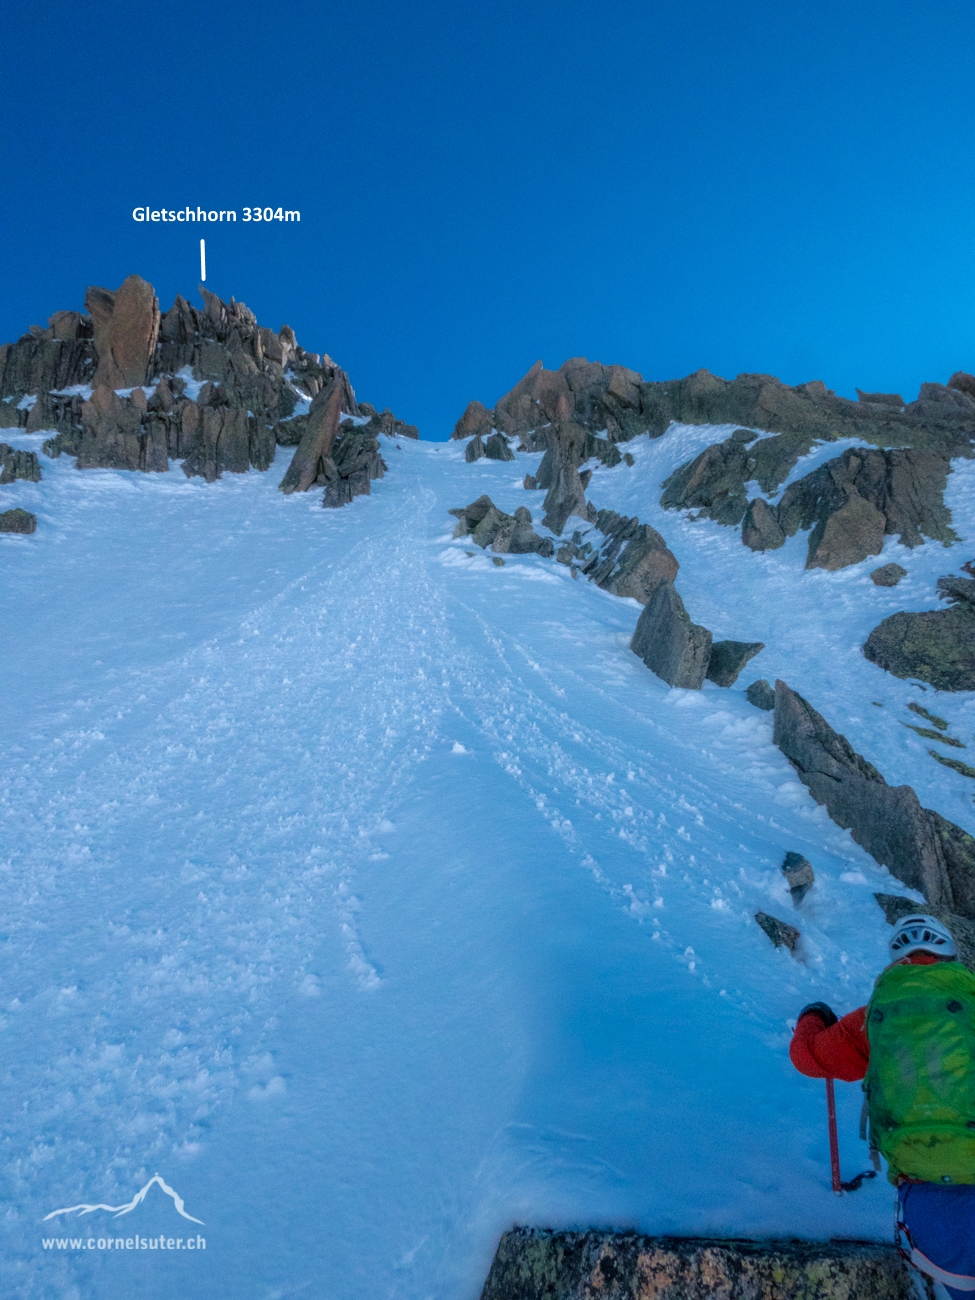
{"x": 921, "y": 933}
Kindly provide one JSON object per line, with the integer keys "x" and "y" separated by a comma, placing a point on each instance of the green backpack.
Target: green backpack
{"x": 920, "y": 1082}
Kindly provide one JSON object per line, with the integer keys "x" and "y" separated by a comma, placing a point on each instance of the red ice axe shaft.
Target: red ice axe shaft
{"x": 834, "y": 1145}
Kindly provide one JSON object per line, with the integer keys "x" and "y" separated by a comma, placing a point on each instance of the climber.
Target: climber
{"x": 913, "y": 1044}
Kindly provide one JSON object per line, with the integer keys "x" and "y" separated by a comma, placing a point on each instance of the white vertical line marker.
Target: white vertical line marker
{"x": 203, "y": 260}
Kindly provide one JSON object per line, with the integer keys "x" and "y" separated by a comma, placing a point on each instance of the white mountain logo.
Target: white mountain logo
{"x": 119, "y": 1210}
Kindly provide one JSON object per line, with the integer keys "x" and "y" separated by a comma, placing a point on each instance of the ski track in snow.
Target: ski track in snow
{"x": 346, "y": 874}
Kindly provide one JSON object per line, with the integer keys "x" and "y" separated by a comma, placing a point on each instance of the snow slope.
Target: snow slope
{"x": 377, "y": 897}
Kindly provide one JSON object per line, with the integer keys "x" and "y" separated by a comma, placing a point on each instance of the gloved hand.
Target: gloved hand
{"x": 826, "y": 1014}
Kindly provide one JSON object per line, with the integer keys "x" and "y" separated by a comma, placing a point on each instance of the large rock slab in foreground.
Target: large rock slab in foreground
{"x": 533, "y": 1264}
{"x": 916, "y": 844}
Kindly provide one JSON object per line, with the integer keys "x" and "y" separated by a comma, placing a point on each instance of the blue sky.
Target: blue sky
{"x": 746, "y": 187}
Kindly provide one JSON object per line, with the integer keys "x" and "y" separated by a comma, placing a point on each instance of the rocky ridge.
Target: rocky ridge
{"x": 128, "y": 387}
{"x": 620, "y": 402}
{"x": 570, "y": 411}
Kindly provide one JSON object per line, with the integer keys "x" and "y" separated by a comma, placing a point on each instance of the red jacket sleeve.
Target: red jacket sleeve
{"x": 840, "y": 1052}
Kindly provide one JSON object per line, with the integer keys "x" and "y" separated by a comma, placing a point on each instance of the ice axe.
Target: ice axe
{"x": 839, "y": 1187}
{"x": 828, "y": 1017}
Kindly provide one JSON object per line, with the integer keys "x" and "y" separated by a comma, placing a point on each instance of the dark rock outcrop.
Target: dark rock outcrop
{"x": 517, "y": 537}
{"x": 225, "y": 437}
{"x": 559, "y": 473}
{"x": 761, "y": 695}
{"x": 11, "y": 417}
{"x": 713, "y": 483}
{"x": 851, "y": 503}
{"x": 118, "y": 433}
{"x": 781, "y": 933}
{"x": 15, "y": 463}
{"x": 475, "y": 449}
{"x": 385, "y": 422}
{"x": 480, "y": 521}
{"x": 565, "y": 498}
{"x": 799, "y": 876}
{"x": 290, "y": 431}
{"x": 916, "y": 844}
{"x": 760, "y": 528}
{"x": 264, "y": 372}
{"x": 941, "y": 420}
{"x": 17, "y": 521}
{"x": 956, "y": 765}
{"x": 728, "y": 658}
{"x": 36, "y": 363}
{"x": 881, "y": 399}
{"x": 933, "y": 718}
{"x": 936, "y": 646}
{"x": 592, "y": 395}
{"x": 496, "y": 448}
{"x": 888, "y": 575}
{"x": 329, "y": 407}
{"x": 960, "y": 591}
{"x": 486, "y": 525}
{"x": 929, "y": 734}
{"x": 353, "y": 466}
{"x": 671, "y": 646}
{"x": 621, "y": 402}
{"x": 680, "y": 652}
{"x": 58, "y": 411}
{"x": 532, "y": 1263}
{"x": 847, "y": 536}
{"x": 633, "y": 561}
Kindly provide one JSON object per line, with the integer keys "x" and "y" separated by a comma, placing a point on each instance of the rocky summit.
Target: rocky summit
{"x": 128, "y": 387}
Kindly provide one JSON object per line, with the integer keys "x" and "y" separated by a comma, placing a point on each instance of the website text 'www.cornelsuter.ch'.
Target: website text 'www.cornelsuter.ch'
{"x": 124, "y": 1243}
